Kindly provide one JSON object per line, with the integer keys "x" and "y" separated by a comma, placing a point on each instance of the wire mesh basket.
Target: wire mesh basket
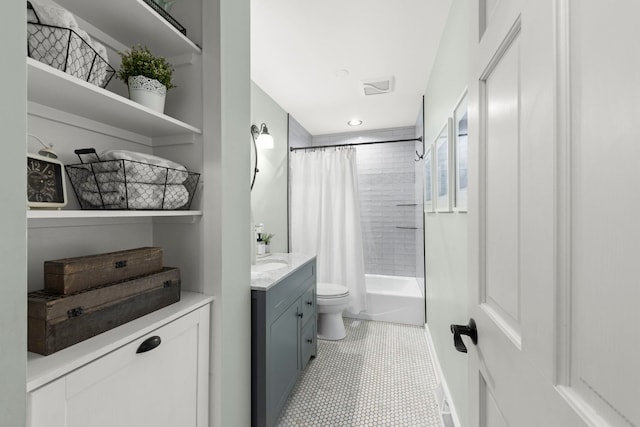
{"x": 170, "y": 19}
{"x": 64, "y": 49}
{"x": 130, "y": 185}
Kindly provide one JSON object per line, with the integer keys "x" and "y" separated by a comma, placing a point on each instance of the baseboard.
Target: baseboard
{"x": 447, "y": 407}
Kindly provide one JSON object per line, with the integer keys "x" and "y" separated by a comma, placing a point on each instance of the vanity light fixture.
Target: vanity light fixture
{"x": 259, "y": 136}
{"x": 354, "y": 122}
{"x": 262, "y": 136}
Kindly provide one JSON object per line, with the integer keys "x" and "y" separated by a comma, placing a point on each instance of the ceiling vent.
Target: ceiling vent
{"x": 378, "y": 86}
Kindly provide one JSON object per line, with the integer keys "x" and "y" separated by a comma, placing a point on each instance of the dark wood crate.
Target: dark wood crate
{"x": 69, "y": 275}
{"x": 58, "y": 321}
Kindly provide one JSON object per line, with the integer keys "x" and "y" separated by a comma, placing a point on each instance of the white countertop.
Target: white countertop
{"x": 263, "y": 280}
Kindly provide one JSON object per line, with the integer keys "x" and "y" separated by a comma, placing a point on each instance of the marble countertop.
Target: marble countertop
{"x": 272, "y": 268}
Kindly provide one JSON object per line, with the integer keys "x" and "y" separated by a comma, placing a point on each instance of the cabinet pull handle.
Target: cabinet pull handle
{"x": 309, "y": 340}
{"x": 309, "y": 302}
{"x": 300, "y": 315}
{"x": 149, "y": 344}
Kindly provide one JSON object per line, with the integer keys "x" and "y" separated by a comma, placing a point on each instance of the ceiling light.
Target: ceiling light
{"x": 354, "y": 122}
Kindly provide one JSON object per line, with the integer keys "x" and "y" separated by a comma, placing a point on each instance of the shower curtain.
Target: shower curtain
{"x": 325, "y": 217}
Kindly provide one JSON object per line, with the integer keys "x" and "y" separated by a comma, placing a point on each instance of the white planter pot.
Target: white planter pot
{"x": 148, "y": 92}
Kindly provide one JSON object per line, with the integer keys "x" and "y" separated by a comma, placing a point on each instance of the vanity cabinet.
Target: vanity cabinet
{"x": 165, "y": 386}
{"x": 283, "y": 340}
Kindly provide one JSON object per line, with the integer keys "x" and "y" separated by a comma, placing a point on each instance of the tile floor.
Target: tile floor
{"x": 379, "y": 375}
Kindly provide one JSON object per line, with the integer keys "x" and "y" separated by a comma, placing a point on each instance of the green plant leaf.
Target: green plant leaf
{"x": 139, "y": 61}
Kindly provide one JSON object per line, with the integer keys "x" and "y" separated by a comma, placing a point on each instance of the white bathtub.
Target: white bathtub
{"x": 394, "y": 299}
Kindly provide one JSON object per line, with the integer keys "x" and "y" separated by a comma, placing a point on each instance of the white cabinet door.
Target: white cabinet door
{"x": 45, "y": 406}
{"x": 156, "y": 388}
{"x": 163, "y": 387}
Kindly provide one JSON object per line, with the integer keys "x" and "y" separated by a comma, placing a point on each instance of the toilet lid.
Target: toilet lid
{"x": 331, "y": 290}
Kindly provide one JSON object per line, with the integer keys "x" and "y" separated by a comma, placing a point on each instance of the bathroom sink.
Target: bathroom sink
{"x": 263, "y": 266}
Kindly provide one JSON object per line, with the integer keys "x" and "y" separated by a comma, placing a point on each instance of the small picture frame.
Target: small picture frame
{"x": 429, "y": 202}
{"x": 461, "y": 175}
{"x": 443, "y": 172}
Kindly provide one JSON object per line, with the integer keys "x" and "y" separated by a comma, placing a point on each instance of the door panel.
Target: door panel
{"x": 490, "y": 413}
{"x": 501, "y": 112}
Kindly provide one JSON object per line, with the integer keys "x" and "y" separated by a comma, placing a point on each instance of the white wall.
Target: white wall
{"x": 298, "y": 135}
{"x": 13, "y": 241}
{"x": 270, "y": 191}
{"x": 226, "y": 222}
{"x": 446, "y": 233}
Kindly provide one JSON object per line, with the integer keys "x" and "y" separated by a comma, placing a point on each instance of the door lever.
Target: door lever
{"x": 469, "y": 330}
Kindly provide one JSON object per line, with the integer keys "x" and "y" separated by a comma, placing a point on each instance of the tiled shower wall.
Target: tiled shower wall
{"x": 388, "y": 206}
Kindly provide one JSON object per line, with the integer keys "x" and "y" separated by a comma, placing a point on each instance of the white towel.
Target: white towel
{"x": 116, "y": 195}
{"x": 54, "y": 15}
{"x": 140, "y": 167}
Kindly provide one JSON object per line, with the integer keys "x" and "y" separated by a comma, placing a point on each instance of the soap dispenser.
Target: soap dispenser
{"x": 260, "y": 244}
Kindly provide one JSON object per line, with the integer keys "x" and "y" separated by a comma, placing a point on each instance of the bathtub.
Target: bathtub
{"x": 394, "y": 299}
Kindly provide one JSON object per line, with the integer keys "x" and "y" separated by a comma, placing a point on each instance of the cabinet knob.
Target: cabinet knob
{"x": 309, "y": 340}
{"x": 309, "y": 302}
{"x": 300, "y": 315}
{"x": 149, "y": 344}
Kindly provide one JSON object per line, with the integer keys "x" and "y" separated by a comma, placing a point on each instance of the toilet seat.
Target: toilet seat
{"x": 331, "y": 290}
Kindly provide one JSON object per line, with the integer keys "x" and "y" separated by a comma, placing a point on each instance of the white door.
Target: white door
{"x": 554, "y": 157}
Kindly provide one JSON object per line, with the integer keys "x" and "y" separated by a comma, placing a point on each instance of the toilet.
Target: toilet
{"x": 332, "y": 300}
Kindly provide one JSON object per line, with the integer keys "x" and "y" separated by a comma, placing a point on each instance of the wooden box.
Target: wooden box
{"x": 69, "y": 275}
{"x": 58, "y": 321}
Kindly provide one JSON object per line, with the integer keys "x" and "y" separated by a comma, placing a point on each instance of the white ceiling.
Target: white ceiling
{"x": 298, "y": 48}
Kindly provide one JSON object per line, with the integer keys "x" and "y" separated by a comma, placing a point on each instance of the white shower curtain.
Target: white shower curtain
{"x": 325, "y": 217}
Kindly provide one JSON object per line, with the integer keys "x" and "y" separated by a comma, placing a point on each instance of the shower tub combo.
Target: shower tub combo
{"x": 396, "y": 299}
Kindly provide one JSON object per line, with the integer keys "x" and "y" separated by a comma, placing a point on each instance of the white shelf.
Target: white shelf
{"x": 88, "y": 214}
{"x": 56, "y": 89}
{"x": 43, "y": 369}
{"x": 74, "y": 218}
{"x": 132, "y": 22}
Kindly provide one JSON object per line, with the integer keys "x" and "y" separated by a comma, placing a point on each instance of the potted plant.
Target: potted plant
{"x": 147, "y": 76}
{"x": 266, "y": 238}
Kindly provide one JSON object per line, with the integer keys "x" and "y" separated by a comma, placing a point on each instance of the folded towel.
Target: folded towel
{"x": 53, "y": 15}
{"x": 138, "y": 167}
{"x": 140, "y": 157}
{"x": 116, "y": 195}
{"x": 130, "y": 172}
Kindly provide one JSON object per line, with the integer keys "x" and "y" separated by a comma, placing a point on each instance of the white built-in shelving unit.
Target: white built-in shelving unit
{"x": 76, "y": 114}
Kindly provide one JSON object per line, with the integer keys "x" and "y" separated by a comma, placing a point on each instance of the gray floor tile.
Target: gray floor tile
{"x": 379, "y": 375}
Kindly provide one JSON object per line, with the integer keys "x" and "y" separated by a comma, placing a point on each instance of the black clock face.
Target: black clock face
{"x": 44, "y": 181}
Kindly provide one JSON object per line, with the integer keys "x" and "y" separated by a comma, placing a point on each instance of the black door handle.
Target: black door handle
{"x": 149, "y": 344}
{"x": 469, "y": 330}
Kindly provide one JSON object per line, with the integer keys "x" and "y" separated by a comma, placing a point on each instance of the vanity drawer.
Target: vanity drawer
{"x": 308, "y": 303}
{"x": 308, "y": 344}
{"x": 289, "y": 289}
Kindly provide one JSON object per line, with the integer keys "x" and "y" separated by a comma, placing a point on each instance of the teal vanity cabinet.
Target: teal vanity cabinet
{"x": 283, "y": 338}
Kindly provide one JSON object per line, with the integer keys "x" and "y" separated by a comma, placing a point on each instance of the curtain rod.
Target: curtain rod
{"x": 354, "y": 144}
